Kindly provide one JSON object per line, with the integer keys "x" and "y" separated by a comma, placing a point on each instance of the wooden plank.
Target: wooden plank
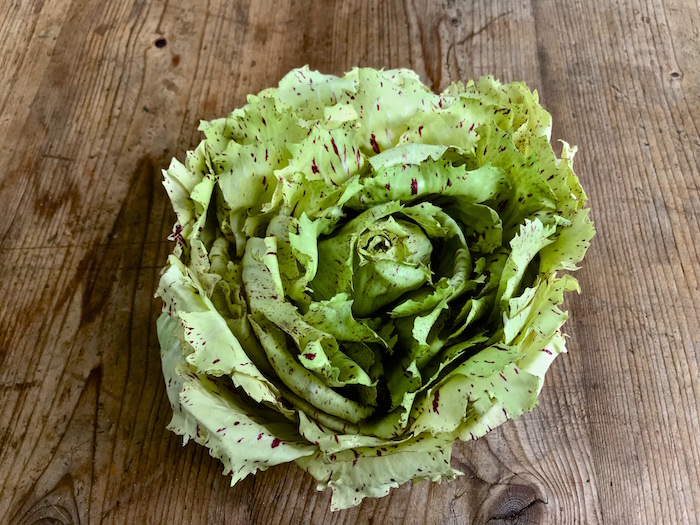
{"x": 91, "y": 109}
{"x": 638, "y": 337}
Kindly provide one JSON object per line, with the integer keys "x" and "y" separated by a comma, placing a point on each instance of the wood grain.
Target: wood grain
{"x": 91, "y": 109}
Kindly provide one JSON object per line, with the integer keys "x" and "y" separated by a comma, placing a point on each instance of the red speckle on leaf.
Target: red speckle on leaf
{"x": 502, "y": 376}
{"x": 275, "y": 443}
{"x": 420, "y": 130}
{"x": 373, "y": 143}
{"x": 260, "y": 436}
{"x": 414, "y": 186}
{"x": 436, "y": 401}
{"x": 387, "y": 186}
{"x": 314, "y": 168}
{"x": 310, "y": 356}
{"x": 335, "y": 148}
{"x": 215, "y": 361}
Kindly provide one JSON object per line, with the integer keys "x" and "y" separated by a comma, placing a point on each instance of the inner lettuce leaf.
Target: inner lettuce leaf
{"x": 365, "y": 272}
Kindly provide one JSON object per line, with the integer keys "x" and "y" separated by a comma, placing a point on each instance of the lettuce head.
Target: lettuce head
{"x": 364, "y": 272}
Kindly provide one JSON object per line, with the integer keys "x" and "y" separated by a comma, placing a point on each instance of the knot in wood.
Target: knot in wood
{"x": 513, "y": 505}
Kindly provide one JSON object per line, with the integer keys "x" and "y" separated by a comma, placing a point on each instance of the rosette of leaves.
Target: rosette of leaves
{"x": 364, "y": 272}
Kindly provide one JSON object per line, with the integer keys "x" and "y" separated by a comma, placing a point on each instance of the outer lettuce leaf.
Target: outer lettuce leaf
{"x": 201, "y": 323}
{"x": 385, "y": 101}
{"x": 368, "y": 474}
{"x": 217, "y": 418}
{"x": 409, "y": 183}
{"x": 331, "y": 155}
{"x": 525, "y": 246}
{"x": 311, "y": 92}
{"x": 570, "y": 246}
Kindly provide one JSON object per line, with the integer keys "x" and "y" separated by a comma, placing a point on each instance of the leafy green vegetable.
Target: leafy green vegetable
{"x": 365, "y": 272}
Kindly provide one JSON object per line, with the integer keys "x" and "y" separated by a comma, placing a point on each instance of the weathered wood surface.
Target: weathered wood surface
{"x": 95, "y": 97}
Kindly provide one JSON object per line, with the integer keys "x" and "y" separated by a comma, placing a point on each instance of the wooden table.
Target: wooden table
{"x": 96, "y": 97}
